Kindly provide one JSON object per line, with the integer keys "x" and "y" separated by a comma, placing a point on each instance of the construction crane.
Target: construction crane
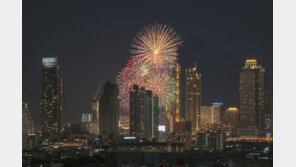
{"x": 97, "y": 92}
{"x": 95, "y": 110}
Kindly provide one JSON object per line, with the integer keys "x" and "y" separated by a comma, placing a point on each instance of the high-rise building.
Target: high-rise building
{"x": 143, "y": 113}
{"x": 216, "y": 113}
{"x": 210, "y": 115}
{"x": 109, "y": 110}
{"x": 205, "y": 116}
{"x": 253, "y": 99}
{"x": 173, "y": 110}
{"x": 193, "y": 97}
{"x": 231, "y": 119}
{"x": 178, "y": 93}
{"x": 51, "y": 97}
{"x": 27, "y": 127}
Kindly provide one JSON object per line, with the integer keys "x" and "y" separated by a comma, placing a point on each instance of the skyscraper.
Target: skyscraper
{"x": 193, "y": 97}
{"x": 253, "y": 99}
{"x": 231, "y": 120}
{"x": 178, "y": 93}
{"x": 109, "y": 110}
{"x": 143, "y": 113}
{"x": 174, "y": 109}
{"x": 27, "y": 127}
{"x": 51, "y": 97}
{"x": 216, "y": 113}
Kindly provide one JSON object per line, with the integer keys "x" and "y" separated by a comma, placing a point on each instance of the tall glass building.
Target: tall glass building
{"x": 174, "y": 109}
{"x": 193, "y": 97}
{"x": 143, "y": 113}
{"x": 109, "y": 111}
{"x": 51, "y": 97}
{"x": 253, "y": 100}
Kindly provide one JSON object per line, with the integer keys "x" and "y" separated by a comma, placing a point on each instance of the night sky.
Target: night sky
{"x": 92, "y": 42}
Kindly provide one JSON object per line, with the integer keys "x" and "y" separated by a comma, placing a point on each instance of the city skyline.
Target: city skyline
{"x": 147, "y": 84}
{"x": 216, "y": 70}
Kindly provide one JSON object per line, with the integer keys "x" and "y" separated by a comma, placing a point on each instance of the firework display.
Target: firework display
{"x": 156, "y": 46}
{"x": 164, "y": 86}
{"x": 154, "y": 55}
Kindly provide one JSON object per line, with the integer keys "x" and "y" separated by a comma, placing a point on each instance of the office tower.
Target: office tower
{"x": 231, "y": 119}
{"x": 51, "y": 97}
{"x": 143, "y": 113}
{"x": 94, "y": 126}
{"x": 210, "y": 115}
{"x": 109, "y": 110}
{"x": 216, "y": 113}
{"x": 174, "y": 109}
{"x": 178, "y": 93}
{"x": 134, "y": 110}
{"x": 205, "y": 116}
{"x": 27, "y": 127}
{"x": 193, "y": 97}
{"x": 253, "y": 99}
{"x": 152, "y": 115}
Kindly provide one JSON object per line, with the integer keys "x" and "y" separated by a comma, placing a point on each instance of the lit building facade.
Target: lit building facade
{"x": 253, "y": 100}
{"x": 231, "y": 119}
{"x": 174, "y": 110}
{"x": 51, "y": 97}
{"x": 143, "y": 113}
{"x": 109, "y": 111}
{"x": 216, "y": 113}
{"x": 86, "y": 118}
{"x": 27, "y": 120}
{"x": 124, "y": 122}
{"x": 210, "y": 140}
{"x": 86, "y": 122}
{"x": 193, "y": 97}
{"x": 210, "y": 115}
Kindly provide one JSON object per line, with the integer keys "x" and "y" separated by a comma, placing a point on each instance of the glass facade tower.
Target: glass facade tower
{"x": 51, "y": 97}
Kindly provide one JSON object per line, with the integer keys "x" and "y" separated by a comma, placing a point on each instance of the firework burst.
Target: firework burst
{"x": 164, "y": 86}
{"x": 154, "y": 55}
{"x": 129, "y": 76}
{"x": 156, "y": 46}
